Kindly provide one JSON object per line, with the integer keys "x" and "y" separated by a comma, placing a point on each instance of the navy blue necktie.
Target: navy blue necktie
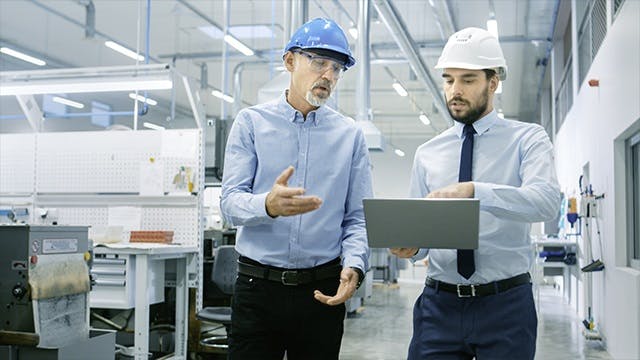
{"x": 466, "y": 263}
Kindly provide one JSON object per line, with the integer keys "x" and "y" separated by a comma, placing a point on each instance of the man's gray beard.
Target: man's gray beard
{"x": 315, "y": 100}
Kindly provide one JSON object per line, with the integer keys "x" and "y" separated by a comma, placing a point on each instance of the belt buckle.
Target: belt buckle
{"x": 289, "y": 278}
{"x": 461, "y": 295}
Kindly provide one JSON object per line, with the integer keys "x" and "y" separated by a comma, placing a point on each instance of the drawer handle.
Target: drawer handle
{"x": 109, "y": 271}
{"x": 110, "y": 282}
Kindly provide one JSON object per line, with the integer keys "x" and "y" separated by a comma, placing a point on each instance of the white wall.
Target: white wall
{"x": 391, "y": 173}
{"x": 592, "y": 132}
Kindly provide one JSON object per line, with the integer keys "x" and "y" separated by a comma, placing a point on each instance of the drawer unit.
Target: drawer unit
{"x": 115, "y": 281}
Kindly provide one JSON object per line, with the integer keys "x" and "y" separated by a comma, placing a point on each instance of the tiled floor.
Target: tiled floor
{"x": 381, "y": 329}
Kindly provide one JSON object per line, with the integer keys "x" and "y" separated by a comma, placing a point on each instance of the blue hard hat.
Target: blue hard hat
{"x": 322, "y": 34}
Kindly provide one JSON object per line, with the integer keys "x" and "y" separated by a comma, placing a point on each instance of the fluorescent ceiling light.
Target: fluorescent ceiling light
{"x": 238, "y": 45}
{"x": 222, "y": 96}
{"x": 492, "y": 27}
{"x": 142, "y": 99}
{"x": 63, "y": 101}
{"x": 212, "y": 31}
{"x": 499, "y": 89}
{"x": 400, "y": 89}
{"x": 424, "y": 119}
{"x": 149, "y": 125}
{"x": 251, "y": 32}
{"x": 123, "y": 50}
{"x": 353, "y": 32}
{"x": 22, "y": 56}
{"x": 239, "y": 31}
{"x": 83, "y": 80}
{"x": 399, "y": 152}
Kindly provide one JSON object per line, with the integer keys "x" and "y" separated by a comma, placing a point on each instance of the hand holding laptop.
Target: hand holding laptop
{"x": 410, "y": 224}
{"x": 458, "y": 190}
{"x": 404, "y": 253}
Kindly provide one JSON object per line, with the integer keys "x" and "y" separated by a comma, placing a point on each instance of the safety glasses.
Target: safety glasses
{"x": 320, "y": 64}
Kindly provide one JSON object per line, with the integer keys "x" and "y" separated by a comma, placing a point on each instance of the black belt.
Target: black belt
{"x": 479, "y": 289}
{"x": 290, "y": 276}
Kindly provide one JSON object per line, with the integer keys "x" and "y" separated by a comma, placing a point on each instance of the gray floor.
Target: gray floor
{"x": 382, "y": 327}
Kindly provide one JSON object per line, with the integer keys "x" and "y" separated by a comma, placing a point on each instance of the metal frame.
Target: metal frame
{"x": 633, "y": 206}
{"x": 90, "y": 79}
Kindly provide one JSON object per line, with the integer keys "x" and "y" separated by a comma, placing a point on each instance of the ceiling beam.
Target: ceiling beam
{"x": 397, "y": 28}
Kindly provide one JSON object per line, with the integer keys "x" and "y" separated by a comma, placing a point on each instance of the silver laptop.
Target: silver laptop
{"x": 422, "y": 223}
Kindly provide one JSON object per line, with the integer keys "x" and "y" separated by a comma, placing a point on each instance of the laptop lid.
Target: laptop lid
{"x": 422, "y": 223}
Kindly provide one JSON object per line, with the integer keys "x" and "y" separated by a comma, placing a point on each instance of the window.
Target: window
{"x": 617, "y": 4}
{"x": 633, "y": 207}
{"x": 591, "y": 33}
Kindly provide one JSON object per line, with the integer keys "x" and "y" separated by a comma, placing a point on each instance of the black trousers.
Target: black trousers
{"x": 269, "y": 318}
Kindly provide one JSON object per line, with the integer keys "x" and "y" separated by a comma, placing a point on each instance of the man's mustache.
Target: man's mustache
{"x": 457, "y": 99}
{"x": 324, "y": 84}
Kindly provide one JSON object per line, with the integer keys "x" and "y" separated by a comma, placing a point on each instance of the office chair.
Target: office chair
{"x": 223, "y": 274}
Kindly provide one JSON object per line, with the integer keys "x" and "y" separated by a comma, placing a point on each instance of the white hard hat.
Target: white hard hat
{"x": 475, "y": 49}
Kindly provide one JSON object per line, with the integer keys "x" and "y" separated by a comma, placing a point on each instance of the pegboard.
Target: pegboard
{"x": 17, "y": 156}
{"x": 109, "y": 162}
{"x": 183, "y": 221}
{"x": 81, "y": 174}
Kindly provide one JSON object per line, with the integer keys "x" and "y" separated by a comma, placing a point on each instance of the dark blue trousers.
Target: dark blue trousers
{"x": 494, "y": 327}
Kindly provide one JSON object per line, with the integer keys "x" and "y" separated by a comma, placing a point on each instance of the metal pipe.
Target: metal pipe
{"x": 450, "y": 19}
{"x": 224, "y": 108}
{"x": 90, "y": 19}
{"x": 341, "y": 7}
{"x": 436, "y": 18}
{"x": 322, "y": 10}
{"x": 425, "y": 44}
{"x": 215, "y": 54}
{"x": 299, "y": 14}
{"x": 173, "y": 92}
{"x": 400, "y": 33}
{"x": 237, "y": 82}
{"x": 547, "y": 54}
{"x": 439, "y": 43}
{"x": 204, "y": 76}
{"x": 286, "y": 33}
{"x": 363, "y": 54}
{"x": 146, "y": 53}
{"x": 49, "y": 115}
{"x": 76, "y": 22}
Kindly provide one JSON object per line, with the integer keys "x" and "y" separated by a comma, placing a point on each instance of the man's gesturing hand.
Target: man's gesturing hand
{"x": 348, "y": 286}
{"x": 285, "y": 201}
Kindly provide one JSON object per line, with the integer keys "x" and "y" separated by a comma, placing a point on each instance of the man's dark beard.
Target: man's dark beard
{"x": 473, "y": 113}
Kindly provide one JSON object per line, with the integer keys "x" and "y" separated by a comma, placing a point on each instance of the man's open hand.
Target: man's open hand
{"x": 283, "y": 200}
{"x": 348, "y": 286}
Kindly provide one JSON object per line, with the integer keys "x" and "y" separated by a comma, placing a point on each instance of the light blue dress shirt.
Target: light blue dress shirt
{"x": 331, "y": 161}
{"x": 515, "y": 180}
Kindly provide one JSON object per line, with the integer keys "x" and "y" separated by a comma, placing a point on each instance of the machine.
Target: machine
{"x": 44, "y": 293}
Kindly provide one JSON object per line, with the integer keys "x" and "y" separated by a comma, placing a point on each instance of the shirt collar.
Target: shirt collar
{"x": 481, "y": 125}
{"x": 291, "y": 114}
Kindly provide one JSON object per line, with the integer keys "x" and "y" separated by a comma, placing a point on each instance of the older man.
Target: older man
{"x": 295, "y": 174}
